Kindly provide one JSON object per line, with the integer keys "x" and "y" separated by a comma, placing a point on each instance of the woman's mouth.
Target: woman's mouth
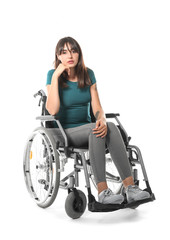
{"x": 70, "y": 62}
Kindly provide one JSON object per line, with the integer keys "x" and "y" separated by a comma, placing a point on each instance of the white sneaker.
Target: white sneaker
{"x": 108, "y": 197}
{"x": 134, "y": 193}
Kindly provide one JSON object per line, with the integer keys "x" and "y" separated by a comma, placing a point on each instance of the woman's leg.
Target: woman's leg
{"x": 118, "y": 153}
{"x": 83, "y": 136}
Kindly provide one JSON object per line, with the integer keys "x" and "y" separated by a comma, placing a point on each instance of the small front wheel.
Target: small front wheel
{"x": 75, "y": 206}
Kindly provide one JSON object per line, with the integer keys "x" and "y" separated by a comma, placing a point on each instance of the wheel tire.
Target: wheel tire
{"x": 72, "y": 210}
{"x": 55, "y": 187}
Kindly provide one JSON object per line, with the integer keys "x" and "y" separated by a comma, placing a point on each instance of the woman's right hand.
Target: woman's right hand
{"x": 59, "y": 70}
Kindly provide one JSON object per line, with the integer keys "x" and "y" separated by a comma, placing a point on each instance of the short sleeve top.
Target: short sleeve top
{"x": 74, "y": 102}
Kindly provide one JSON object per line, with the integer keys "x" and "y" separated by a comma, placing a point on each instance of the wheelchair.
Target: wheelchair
{"x": 45, "y": 159}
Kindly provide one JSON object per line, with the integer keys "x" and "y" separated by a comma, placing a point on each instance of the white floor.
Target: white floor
{"x": 21, "y": 218}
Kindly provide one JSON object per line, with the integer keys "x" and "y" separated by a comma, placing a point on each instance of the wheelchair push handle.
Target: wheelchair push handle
{"x": 42, "y": 94}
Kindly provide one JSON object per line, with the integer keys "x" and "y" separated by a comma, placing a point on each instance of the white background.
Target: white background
{"x": 126, "y": 43}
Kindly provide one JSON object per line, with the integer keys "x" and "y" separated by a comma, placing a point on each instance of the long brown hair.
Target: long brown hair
{"x": 80, "y": 68}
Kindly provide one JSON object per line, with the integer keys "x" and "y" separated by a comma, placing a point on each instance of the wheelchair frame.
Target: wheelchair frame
{"x": 81, "y": 163}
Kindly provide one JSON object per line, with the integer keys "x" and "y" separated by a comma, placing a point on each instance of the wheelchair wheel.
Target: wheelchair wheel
{"x": 74, "y": 208}
{"x": 40, "y": 165}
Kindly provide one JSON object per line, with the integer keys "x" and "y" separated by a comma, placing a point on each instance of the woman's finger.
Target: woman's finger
{"x": 99, "y": 130}
{"x": 103, "y": 133}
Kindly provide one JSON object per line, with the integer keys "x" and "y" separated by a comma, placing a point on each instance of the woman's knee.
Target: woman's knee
{"x": 90, "y": 127}
{"x": 112, "y": 127}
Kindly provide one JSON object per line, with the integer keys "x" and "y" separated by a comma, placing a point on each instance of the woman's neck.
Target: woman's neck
{"x": 71, "y": 75}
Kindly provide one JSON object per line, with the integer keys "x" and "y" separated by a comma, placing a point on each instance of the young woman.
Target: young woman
{"x": 71, "y": 86}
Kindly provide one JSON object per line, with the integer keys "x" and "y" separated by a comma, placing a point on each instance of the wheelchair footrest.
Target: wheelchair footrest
{"x": 137, "y": 203}
{"x": 95, "y": 206}
{"x": 99, "y": 207}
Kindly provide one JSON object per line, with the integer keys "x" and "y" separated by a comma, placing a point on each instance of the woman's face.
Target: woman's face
{"x": 68, "y": 56}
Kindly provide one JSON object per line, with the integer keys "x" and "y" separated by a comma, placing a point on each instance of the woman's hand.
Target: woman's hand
{"x": 101, "y": 128}
{"x": 60, "y": 69}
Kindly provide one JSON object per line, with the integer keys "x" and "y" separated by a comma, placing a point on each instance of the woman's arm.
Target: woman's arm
{"x": 53, "y": 99}
{"x": 95, "y": 103}
{"x": 101, "y": 126}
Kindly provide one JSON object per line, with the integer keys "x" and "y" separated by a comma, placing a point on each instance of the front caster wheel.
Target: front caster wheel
{"x": 75, "y": 204}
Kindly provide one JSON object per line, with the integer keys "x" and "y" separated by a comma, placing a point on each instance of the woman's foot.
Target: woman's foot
{"x": 108, "y": 197}
{"x": 134, "y": 193}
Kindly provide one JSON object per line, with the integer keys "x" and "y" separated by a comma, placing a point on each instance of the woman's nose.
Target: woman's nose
{"x": 70, "y": 54}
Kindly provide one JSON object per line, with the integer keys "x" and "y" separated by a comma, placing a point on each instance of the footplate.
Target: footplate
{"x": 95, "y": 206}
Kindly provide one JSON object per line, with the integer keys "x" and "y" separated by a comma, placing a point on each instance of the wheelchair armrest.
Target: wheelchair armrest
{"x": 54, "y": 118}
{"x": 112, "y": 115}
{"x": 120, "y": 126}
{"x": 47, "y": 118}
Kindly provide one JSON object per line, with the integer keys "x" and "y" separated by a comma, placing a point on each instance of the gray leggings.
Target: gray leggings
{"x": 84, "y": 136}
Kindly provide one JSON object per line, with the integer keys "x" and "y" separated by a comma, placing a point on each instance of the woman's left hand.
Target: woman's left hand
{"x": 101, "y": 128}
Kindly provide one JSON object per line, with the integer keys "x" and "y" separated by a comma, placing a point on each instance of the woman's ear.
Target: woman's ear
{"x": 59, "y": 58}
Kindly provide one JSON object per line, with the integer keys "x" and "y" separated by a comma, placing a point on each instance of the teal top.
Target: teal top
{"x": 74, "y": 102}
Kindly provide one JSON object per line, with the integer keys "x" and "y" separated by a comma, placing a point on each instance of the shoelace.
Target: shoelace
{"x": 108, "y": 192}
{"x": 134, "y": 187}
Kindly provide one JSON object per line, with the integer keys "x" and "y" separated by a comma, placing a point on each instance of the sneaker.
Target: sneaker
{"x": 134, "y": 193}
{"x": 108, "y": 197}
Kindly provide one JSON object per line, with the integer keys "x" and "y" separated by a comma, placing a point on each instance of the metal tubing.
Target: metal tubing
{"x": 76, "y": 171}
{"x": 85, "y": 170}
{"x": 121, "y": 126}
{"x": 140, "y": 160}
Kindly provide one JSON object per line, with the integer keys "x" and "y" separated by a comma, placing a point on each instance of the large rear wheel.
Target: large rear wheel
{"x": 40, "y": 165}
